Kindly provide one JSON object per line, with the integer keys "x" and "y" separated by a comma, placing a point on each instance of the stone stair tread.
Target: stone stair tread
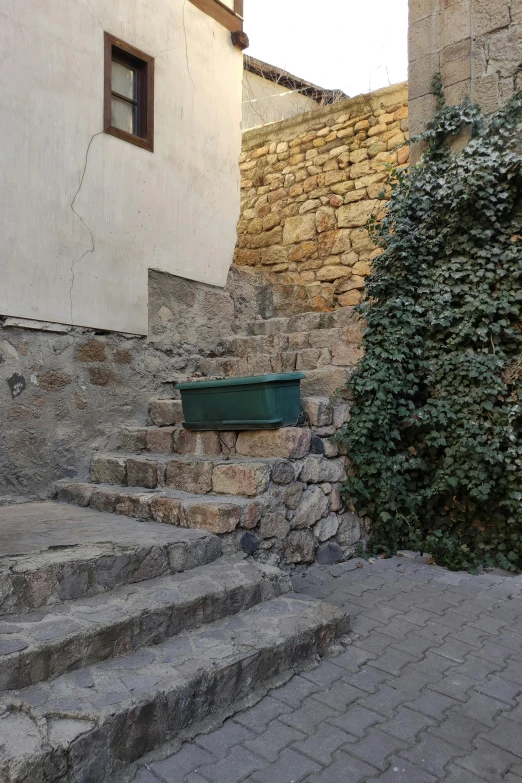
{"x": 101, "y": 717}
{"x": 52, "y": 552}
{"x": 175, "y": 494}
{"x": 174, "y": 457}
{"x": 44, "y": 644}
{"x": 304, "y": 322}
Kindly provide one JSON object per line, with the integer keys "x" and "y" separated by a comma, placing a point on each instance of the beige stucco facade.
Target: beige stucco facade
{"x": 83, "y": 214}
{"x": 475, "y": 44}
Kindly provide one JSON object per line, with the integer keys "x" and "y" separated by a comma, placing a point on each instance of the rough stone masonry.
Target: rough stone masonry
{"x": 309, "y": 186}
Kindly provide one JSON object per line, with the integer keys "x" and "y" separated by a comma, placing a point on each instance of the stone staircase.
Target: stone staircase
{"x": 117, "y": 634}
{"x": 274, "y": 494}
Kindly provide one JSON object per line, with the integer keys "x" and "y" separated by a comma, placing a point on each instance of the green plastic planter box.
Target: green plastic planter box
{"x": 262, "y": 402}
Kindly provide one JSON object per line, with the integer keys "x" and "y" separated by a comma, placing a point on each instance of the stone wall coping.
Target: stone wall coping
{"x": 287, "y": 129}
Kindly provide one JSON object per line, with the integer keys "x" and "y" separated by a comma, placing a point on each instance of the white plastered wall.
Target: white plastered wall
{"x": 84, "y": 215}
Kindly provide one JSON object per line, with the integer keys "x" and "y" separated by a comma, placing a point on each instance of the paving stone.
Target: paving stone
{"x": 346, "y": 769}
{"x": 406, "y": 724}
{"x": 272, "y": 741}
{"x": 393, "y": 661}
{"x": 366, "y": 678}
{"x": 401, "y": 771}
{"x": 488, "y": 762}
{"x": 220, "y": 741}
{"x": 461, "y": 775}
{"x": 482, "y": 708}
{"x": 458, "y": 729}
{"x": 325, "y": 675}
{"x": 499, "y": 688}
{"x": 322, "y": 745}
{"x": 239, "y": 763}
{"x": 290, "y": 766}
{"x": 258, "y": 718}
{"x": 357, "y": 720}
{"x": 353, "y": 658}
{"x": 433, "y": 754}
{"x": 176, "y": 767}
{"x": 454, "y": 685}
{"x": 376, "y": 747}
{"x": 385, "y": 701}
{"x": 507, "y": 735}
{"x": 340, "y": 696}
{"x": 309, "y": 715}
{"x": 296, "y": 691}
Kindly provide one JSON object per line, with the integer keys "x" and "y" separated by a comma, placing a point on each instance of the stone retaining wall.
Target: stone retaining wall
{"x": 309, "y": 186}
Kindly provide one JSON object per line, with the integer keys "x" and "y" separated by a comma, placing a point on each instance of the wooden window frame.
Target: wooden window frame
{"x": 231, "y": 20}
{"x": 144, "y": 65}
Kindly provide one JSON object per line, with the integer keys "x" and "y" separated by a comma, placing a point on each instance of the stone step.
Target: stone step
{"x": 51, "y": 552}
{"x": 217, "y": 514}
{"x": 42, "y": 645}
{"x": 341, "y": 355}
{"x": 88, "y": 724}
{"x": 286, "y": 442}
{"x": 277, "y": 343}
{"x": 306, "y": 322}
{"x": 243, "y": 476}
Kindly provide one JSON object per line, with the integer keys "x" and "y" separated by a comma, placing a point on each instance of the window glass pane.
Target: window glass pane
{"x": 123, "y": 115}
{"x": 124, "y": 80}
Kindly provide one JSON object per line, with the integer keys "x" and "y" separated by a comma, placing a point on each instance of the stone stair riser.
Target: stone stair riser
{"x": 127, "y": 619}
{"x": 129, "y": 711}
{"x": 34, "y": 582}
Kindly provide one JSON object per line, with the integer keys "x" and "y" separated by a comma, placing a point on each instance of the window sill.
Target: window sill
{"x": 136, "y": 140}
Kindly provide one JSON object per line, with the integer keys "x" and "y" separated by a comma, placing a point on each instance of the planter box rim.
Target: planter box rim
{"x": 247, "y": 381}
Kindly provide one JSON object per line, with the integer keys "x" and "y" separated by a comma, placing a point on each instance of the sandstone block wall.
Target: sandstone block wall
{"x": 475, "y": 44}
{"x": 309, "y": 185}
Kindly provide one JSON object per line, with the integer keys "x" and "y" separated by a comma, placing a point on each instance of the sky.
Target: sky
{"x": 352, "y": 45}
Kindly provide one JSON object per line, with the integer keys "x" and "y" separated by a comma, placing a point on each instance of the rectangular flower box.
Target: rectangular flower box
{"x": 261, "y": 402}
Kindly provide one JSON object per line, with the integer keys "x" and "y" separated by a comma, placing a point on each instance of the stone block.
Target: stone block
{"x": 330, "y": 273}
{"x": 137, "y": 506}
{"x": 336, "y": 501}
{"x": 324, "y": 381}
{"x": 356, "y": 215}
{"x": 165, "y": 413}
{"x": 133, "y": 440}
{"x": 105, "y": 500}
{"x": 350, "y": 529}
{"x": 250, "y": 516}
{"x": 190, "y": 475}
{"x": 199, "y": 444}
{"x": 325, "y": 219}
{"x": 347, "y": 355}
{"x": 327, "y": 527}
{"x": 318, "y": 410}
{"x": 234, "y": 478}
{"x": 299, "y": 229}
{"x": 211, "y": 516}
{"x": 287, "y": 442}
{"x": 299, "y": 547}
{"x": 490, "y": 15}
{"x": 486, "y": 93}
{"x": 166, "y": 510}
{"x": 160, "y": 440}
{"x": 456, "y": 63}
{"x": 317, "y": 469}
{"x": 274, "y": 525}
{"x": 350, "y": 298}
{"x": 77, "y": 494}
{"x": 283, "y": 472}
{"x": 109, "y": 470}
{"x": 293, "y": 494}
{"x": 421, "y": 72}
{"x": 457, "y": 22}
{"x": 142, "y": 472}
{"x": 329, "y": 553}
{"x": 313, "y": 505}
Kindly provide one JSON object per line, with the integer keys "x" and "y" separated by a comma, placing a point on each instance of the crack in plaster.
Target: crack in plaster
{"x": 91, "y": 249}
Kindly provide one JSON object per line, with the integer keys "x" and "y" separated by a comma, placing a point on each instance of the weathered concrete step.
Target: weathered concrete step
{"x": 243, "y": 476}
{"x": 306, "y": 322}
{"x": 212, "y": 513}
{"x": 40, "y": 646}
{"x": 287, "y": 442}
{"x": 51, "y": 552}
{"x": 86, "y": 725}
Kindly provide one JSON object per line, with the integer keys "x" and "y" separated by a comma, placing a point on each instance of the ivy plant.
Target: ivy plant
{"x": 435, "y": 437}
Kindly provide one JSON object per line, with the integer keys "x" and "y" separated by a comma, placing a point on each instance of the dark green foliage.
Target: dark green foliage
{"x": 435, "y": 434}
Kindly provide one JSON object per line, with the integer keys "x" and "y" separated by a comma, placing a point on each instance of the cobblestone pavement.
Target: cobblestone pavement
{"x": 430, "y": 689}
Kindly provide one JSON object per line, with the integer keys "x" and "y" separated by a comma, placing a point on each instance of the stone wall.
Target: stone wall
{"x": 66, "y": 395}
{"x": 309, "y": 186}
{"x": 475, "y": 44}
